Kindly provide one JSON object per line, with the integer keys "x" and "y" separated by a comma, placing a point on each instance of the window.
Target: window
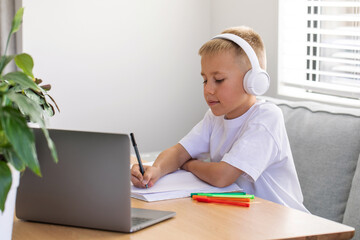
{"x": 319, "y": 50}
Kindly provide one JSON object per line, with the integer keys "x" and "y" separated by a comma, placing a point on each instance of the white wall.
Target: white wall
{"x": 121, "y": 66}
{"x": 132, "y": 65}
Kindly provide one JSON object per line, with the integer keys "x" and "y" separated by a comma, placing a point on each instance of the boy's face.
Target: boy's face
{"x": 223, "y": 75}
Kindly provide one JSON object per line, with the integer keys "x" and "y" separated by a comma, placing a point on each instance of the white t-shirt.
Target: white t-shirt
{"x": 255, "y": 143}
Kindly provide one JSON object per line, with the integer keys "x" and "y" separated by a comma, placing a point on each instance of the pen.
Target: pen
{"x": 137, "y": 155}
{"x": 210, "y": 200}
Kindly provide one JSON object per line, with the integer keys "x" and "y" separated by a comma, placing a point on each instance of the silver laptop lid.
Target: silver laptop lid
{"x": 88, "y": 187}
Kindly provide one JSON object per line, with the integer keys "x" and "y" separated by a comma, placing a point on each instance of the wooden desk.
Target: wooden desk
{"x": 263, "y": 220}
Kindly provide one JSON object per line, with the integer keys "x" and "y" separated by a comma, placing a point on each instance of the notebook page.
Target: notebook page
{"x": 177, "y": 185}
{"x": 178, "y": 180}
{"x": 150, "y": 197}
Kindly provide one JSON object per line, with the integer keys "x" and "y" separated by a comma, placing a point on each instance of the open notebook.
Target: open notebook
{"x": 178, "y": 184}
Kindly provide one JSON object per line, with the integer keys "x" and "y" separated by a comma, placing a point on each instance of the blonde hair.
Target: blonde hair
{"x": 216, "y": 46}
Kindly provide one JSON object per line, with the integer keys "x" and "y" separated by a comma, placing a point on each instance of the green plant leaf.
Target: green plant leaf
{"x": 51, "y": 145}
{"x": 36, "y": 97}
{"x": 5, "y": 61}
{"x": 22, "y": 79}
{"x": 20, "y": 137}
{"x": 4, "y": 87}
{"x": 5, "y": 183}
{"x": 28, "y": 107}
{"x": 25, "y": 62}
{"x": 17, "y": 88}
{"x": 49, "y": 110}
{"x": 4, "y": 143}
{"x": 14, "y": 160}
{"x": 5, "y": 100}
{"x": 17, "y": 20}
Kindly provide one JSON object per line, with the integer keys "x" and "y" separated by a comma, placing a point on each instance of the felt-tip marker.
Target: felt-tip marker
{"x": 223, "y": 198}
{"x": 137, "y": 155}
{"x": 211, "y": 200}
{"x": 224, "y": 195}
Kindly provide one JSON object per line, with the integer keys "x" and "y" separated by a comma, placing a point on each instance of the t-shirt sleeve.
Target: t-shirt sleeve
{"x": 253, "y": 152}
{"x": 197, "y": 141}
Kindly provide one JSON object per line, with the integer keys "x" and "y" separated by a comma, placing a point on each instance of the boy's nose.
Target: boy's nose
{"x": 209, "y": 88}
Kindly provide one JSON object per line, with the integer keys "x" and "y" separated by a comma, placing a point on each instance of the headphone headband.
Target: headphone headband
{"x": 244, "y": 45}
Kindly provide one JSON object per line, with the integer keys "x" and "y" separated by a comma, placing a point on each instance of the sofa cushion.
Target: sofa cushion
{"x": 352, "y": 216}
{"x": 325, "y": 142}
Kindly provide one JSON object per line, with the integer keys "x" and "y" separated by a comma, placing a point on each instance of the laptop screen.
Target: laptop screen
{"x": 88, "y": 187}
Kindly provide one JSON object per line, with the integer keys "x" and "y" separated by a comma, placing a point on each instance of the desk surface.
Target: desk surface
{"x": 193, "y": 220}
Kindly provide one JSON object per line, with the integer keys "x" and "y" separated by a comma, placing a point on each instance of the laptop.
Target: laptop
{"x": 89, "y": 186}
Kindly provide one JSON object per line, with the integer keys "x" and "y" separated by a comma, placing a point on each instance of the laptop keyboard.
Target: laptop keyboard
{"x": 139, "y": 220}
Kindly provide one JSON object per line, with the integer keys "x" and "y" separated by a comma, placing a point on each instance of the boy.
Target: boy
{"x": 245, "y": 139}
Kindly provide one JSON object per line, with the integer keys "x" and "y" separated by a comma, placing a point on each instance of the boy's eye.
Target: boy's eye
{"x": 205, "y": 81}
{"x": 219, "y": 81}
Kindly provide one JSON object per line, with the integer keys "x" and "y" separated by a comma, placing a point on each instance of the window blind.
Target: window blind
{"x": 331, "y": 46}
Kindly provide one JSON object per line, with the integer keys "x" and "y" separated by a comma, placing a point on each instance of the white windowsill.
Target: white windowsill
{"x": 310, "y": 96}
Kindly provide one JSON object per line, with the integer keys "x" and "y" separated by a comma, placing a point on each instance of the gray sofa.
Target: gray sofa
{"x": 325, "y": 142}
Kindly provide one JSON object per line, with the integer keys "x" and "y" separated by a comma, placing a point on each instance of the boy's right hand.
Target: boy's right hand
{"x": 152, "y": 174}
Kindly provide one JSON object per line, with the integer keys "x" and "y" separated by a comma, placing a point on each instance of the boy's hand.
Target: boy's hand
{"x": 152, "y": 174}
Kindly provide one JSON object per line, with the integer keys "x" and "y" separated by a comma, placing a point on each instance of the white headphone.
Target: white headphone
{"x": 256, "y": 80}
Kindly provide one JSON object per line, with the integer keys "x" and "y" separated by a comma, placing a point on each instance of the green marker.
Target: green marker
{"x": 222, "y": 194}
{"x": 227, "y": 195}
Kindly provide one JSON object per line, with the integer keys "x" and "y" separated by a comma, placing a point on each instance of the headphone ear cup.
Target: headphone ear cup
{"x": 256, "y": 82}
{"x": 246, "y": 81}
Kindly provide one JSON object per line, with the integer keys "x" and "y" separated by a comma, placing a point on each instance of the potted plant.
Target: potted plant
{"x": 22, "y": 100}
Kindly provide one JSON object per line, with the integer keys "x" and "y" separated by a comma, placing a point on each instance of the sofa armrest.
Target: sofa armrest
{"x": 325, "y": 142}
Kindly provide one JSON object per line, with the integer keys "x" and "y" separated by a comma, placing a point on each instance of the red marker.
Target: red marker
{"x": 212, "y": 200}
{"x": 227, "y": 199}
